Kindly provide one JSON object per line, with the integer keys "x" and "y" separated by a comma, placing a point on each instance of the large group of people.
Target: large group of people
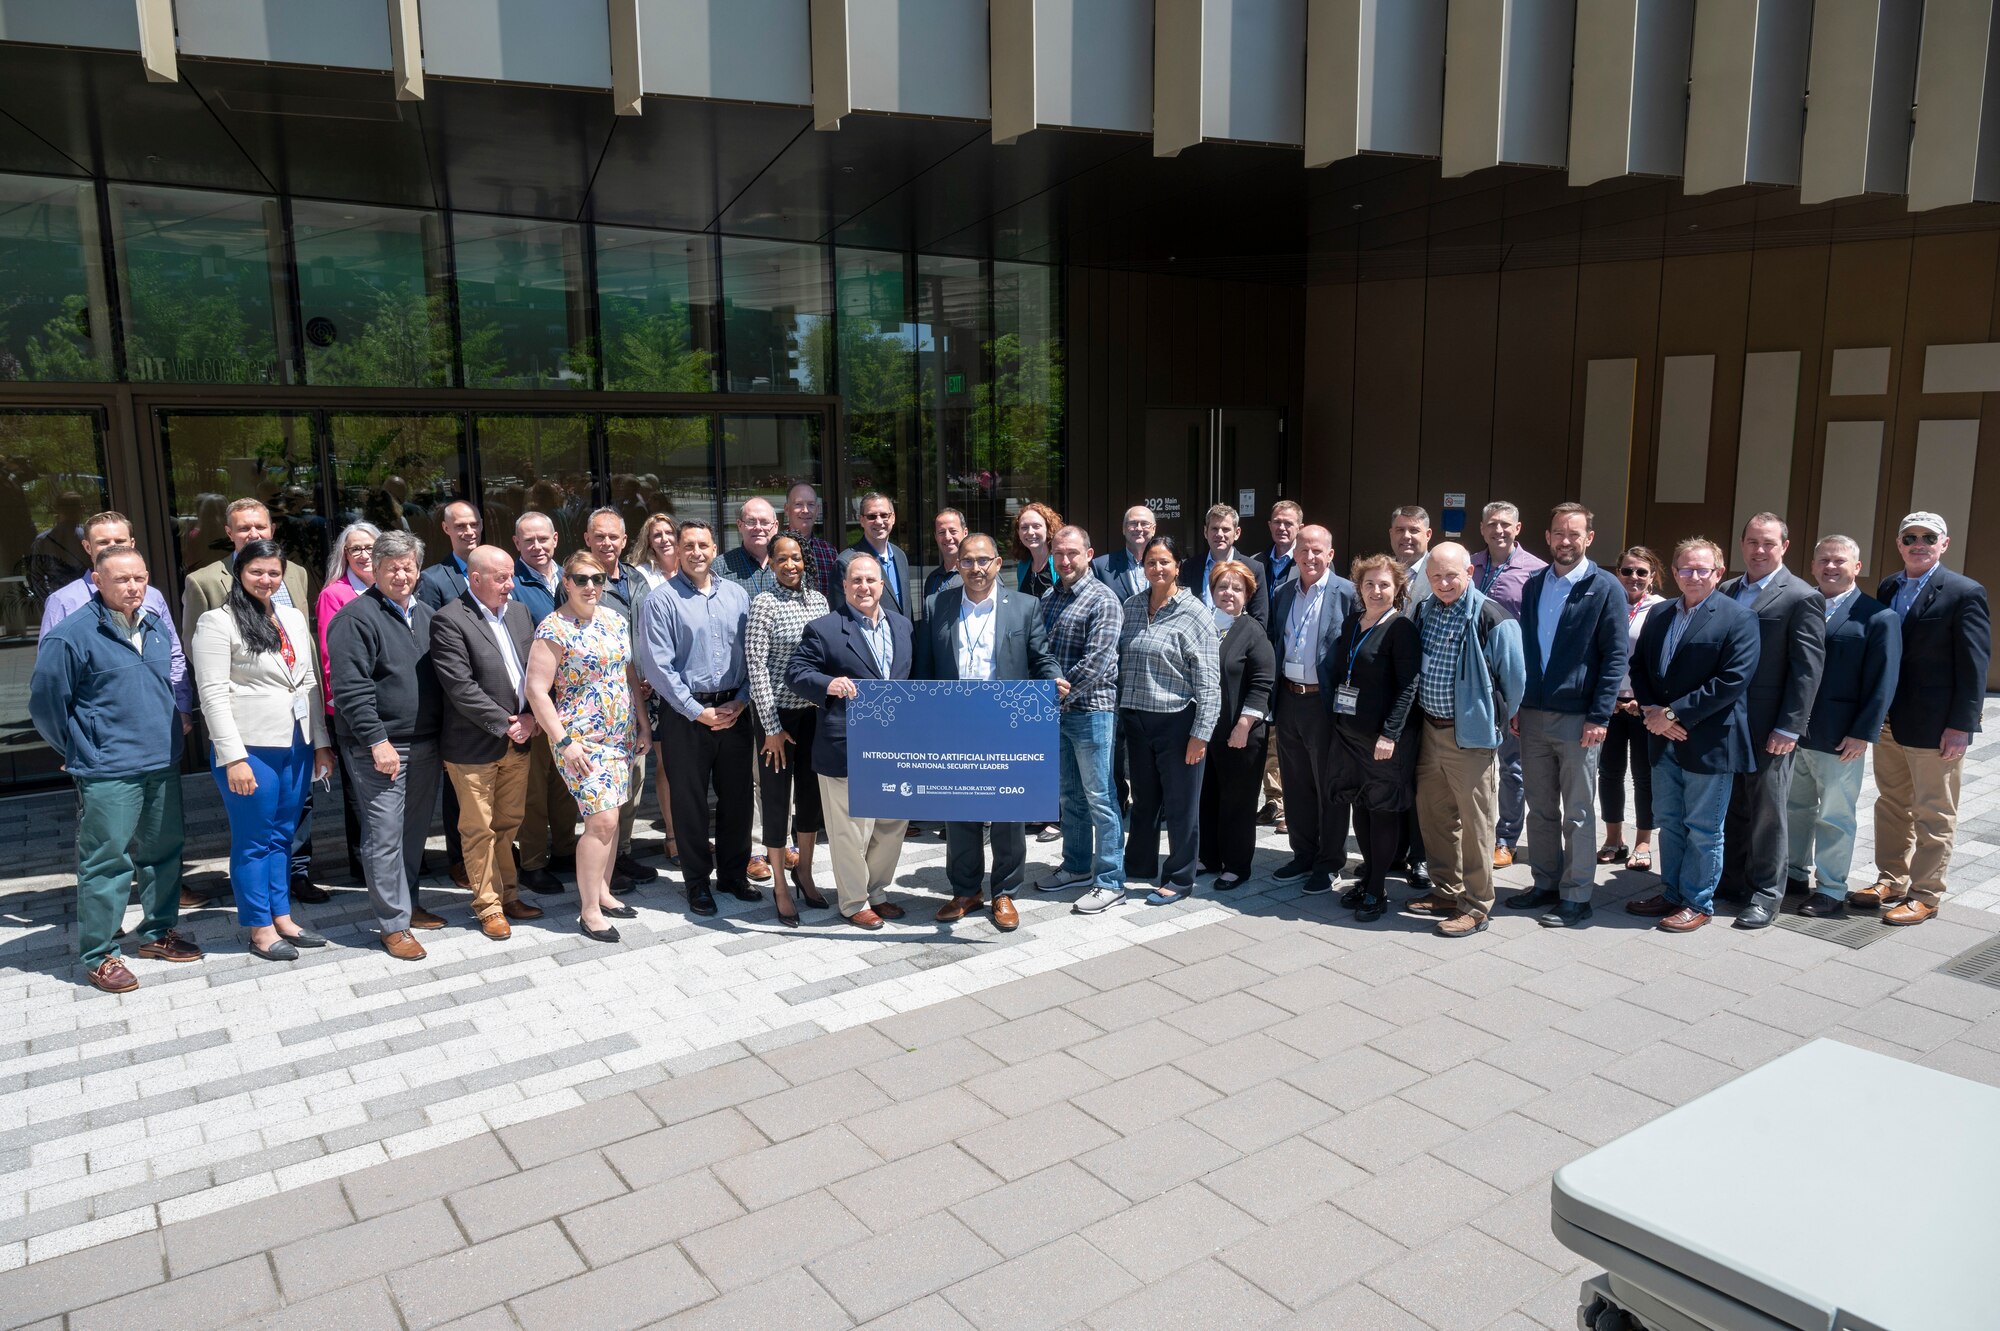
{"x": 1452, "y": 708}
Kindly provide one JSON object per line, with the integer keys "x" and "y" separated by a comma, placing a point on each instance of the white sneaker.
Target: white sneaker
{"x": 1097, "y": 899}
{"x": 1061, "y": 880}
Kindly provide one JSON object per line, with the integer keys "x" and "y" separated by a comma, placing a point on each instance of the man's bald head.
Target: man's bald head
{"x": 1313, "y": 549}
{"x": 489, "y": 573}
{"x": 1449, "y": 570}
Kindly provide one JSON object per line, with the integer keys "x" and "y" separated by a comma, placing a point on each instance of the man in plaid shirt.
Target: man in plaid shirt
{"x": 801, "y": 516}
{"x": 1083, "y": 618}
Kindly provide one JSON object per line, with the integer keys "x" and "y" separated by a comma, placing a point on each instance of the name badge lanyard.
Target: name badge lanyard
{"x": 1359, "y": 639}
{"x": 1306, "y": 622}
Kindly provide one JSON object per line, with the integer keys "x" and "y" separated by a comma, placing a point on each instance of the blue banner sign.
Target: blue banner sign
{"x": 953, "y": 751}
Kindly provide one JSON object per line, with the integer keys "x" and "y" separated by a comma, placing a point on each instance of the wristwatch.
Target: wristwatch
{"x": 1668, "y": 712}
{"x": 564, "y": 742}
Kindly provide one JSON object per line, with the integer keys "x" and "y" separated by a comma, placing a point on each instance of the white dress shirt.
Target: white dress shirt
{"x": 497, "y": 626}
{"x": 1302, "y": 633}
{"x": 977, "y": 621}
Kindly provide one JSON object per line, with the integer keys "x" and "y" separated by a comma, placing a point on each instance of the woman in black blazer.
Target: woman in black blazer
{"x": 1374, "y": 665}
{"x": 1233, "y": 784}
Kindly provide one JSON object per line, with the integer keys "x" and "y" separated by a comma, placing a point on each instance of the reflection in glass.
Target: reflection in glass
{"x": 54, "y": 318}
{"x": 51, "y": 478}
{"x": 774, "y": 308}
{"x": 523, "y": 307}
{"x": 397, "y": 472}
{"x": 767, "y": 456}
{"x": 656, "y": 307}
{"x": 372, "y": 295}
{"x": 878, "y": 387}
{"x": 535, "y": 464}
{"x": 214, "y": 458}
{"x": 662, "y": 464}
{"x": 196, "y": 285}
{"x": 952, "y": 336}
{"x": 1019, "y": 440}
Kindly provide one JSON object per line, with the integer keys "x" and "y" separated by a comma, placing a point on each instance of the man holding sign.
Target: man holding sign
{"x": 977, "y": 631}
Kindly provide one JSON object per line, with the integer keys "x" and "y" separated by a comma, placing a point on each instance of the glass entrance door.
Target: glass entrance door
{"x": 1200, "y": 456}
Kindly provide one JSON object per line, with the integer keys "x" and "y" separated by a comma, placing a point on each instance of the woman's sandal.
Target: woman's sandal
{"x": 1641, "y": 861}
{"x": 1613, "y": 854}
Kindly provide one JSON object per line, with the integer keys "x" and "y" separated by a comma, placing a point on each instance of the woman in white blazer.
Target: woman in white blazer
{"x": 259, "y": 680}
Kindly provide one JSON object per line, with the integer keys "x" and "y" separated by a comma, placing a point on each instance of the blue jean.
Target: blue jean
{"x": 1093, "y": 832}
{"x": 1690, "y": 807}
{"x": 261, "y": 825}
{"x": 1819, "y": 818}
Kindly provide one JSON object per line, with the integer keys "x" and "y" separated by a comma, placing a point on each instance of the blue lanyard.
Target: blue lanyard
{"x": 1359, "y": 639}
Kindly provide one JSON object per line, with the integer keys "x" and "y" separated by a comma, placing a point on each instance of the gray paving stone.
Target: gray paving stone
{"x": 1550, "y": 1059}
{"x": 809, "y": 1062}
{"x": 1416, "y": 1201}
{"x": 893, "y": 1195}
{"x": 1952, "y": 996}
{"x": 1668, "y": 1073}
{"x": 1161, "y": 1157}
{"x": 1745, "y": 972}
{"x": 1396, "y": 1001}
{"x": 649, "y": 1217}
{"x": 1204, "y": 1295}
{"x": 1238, "y": 1064}
{"x": 1471, "y": 1093}
{"x": 947, "y": 1062}
{"x": 1326, "y": 1031}
{"x": 1580, "y": 984}
{"x": 1262, "y": 1115}
{"x": 1510, "y": 1013}
{"x": 791, "y": 1233}
{"x": 124, "y": 1058}
{"x": 363, "y": 1307}
{"x": 426, "y": 1175}
{"x": 1522, "y": 1222}
{"x": 1965, "y": 1060}
{"x": 1594, "y": 1110}
{"x": 1310, "y": 1255}
{"x": 1853, "y": 986}
{"x": 357, "y": 1021}
{"x": 534, "y": 1195}
{"x": 540, "y": 1140}
{"x": 1288, "y": 952}
{"x": 79, "y": 1279}
{"x": 1040, "y": 1208}
{"x": 1134, "y": 1049}
{"x": 443, "y": 1288}
{"x": 1619, "y": 1025}
{"x": 254, "y": 1227}
{"x": 1906, "y": 1024}
{"x": 631, "y": 1293}
{"x": 1051, "y": 1287}
{"x": 1303, "y": 990}
{"x": 1019, "y": 1039}
{"x": 1353, "y": 1077}
{"x": 1226, "y": 1017}
{"x": 1463, "y": 1279}
{"x": 1194, "y": 946}
{"x": 1137, "y": 1102}
{"x": 1793, "y": 1010}
{"x": 1511, "y": 1152}
{"x": 655, "y": 1156}
{"x": 1036, "y": 1140}
{"x": 1114, "y": 970}
{"x": 938, "y": 1022}
{"x": 1165, "y": 1233}
{"x": 1730, "y": 1037}
{"x": 1201, "y": 981}
{"x": 898, "y": 1267}
{"x": 800, "y": 1109}
{"x": 218, "y": 1296}
{"x": 1284, "y": 1178}
{"x": 792, "y": 1301}
{"x": 927, "y": 1314}
{"x": 800, "y": 1165}
{"x": 373, "y": 1247}
{"x": 1128, "y": 1005}
{"x": 898, "y": 1130}
{"x": 1435, "y": 1043}
{"x": 1353, "y": 1308}
{"x": 1022, "y": 998}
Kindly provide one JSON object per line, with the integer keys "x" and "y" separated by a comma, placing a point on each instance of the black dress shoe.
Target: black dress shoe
{"x": 1820, "y": 906}
{"x": 619, "y": 912}
{"x": 278, "y": 951}
{"x": 306, "y": 890}
{"x": 1540, "y": 898}
{"x": 1733, "y": 894}
{"x": 631, "y": 868}
{"x": 1321, "y": 881}
{"x": 304, "y": 938}
{"x": 701, "y": 901}
{"x": 1797, "y": 887}
{"x": 1370, "y": 907}
{"x": 1565, "y": 915}
{"x": 607, "y": 934}
{"x": 1420, "y": 877}
{"x": 1754, "y": 916}
{"x": 1351, "y": 898}
{"x": 542, "y": 881}
{"x": 744, "y": 892}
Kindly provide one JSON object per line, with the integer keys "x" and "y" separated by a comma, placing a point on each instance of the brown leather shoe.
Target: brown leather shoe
{"x": 1875, "y": 896}
{"x": 791, "y": 857}
{"x": 1461, "y": 925}
{"x": 495, "y": 927}
{"x": 760, "y": 869}
{"x": 1005, "y": 918}
{"x": 1503, "y": 857}
{"x": 170, "y": 946}
{"x": 889, "y": 910}
{"x": 460, "y": 876}
{"x": 1431, "y": 904}
{"x": 423, "y": 919}
{"x": 112, "y": 977}
{"x": 1684, "y": 921}
{"x": 865, "y": 919}
{"x": 958, "y": 908}
{"x": 521, "y": 910}
{"x": 1910, "y": 911}
{"x": 192, "y": 901}
{"x": 403, "y": 946}
{"x": 1656, "y": 906}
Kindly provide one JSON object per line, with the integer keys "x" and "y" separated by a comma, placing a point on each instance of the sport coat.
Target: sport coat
{"x": 441, "y": 584}
{"x": 1791, "y": 633}
{"x": 1194, "y": 572}
{"x": 1947, "y": 640}
{"x": 1864, "y": 653}
{"x": 480, "y": 698}
{"x": 1268, "y": 574}
{"x": 1341, "y": 601}
{"x": 1020, "y": 643}
{"x": 902, "y": 604}
{"x": 1587, "y": 657}
{"x": 1120, "y": 572}
{"x": 833, "y": 647}
{"x": 1707, "y": 684}
{"x": 207, "y": 588}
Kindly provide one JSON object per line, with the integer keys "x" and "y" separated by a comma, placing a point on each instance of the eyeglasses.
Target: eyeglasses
{"x": 1635, "y": 573}
{"x": 1919, "y": 538}
{"x": 1698, "y": 574}
{"x": 976, "y": 561}
{"x": 587, "y": 579}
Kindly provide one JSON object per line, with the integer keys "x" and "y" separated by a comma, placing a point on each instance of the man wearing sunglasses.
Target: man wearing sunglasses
{"x": 1947, "y": 639}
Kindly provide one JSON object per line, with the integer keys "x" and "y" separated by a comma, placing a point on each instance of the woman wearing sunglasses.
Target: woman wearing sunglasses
{"x": 1640, "y": 573}
{"x": 581, "y": 683}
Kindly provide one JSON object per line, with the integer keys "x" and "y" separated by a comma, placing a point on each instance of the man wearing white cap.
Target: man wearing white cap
{"x": 1947, "y": 638}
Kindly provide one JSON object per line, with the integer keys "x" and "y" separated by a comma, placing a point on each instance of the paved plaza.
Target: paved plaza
{"x": 1245, "y": 1110}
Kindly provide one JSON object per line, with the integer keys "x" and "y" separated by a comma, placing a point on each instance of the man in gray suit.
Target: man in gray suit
{"x": 1791, "y": 638}
{"x": 980, "y": 631}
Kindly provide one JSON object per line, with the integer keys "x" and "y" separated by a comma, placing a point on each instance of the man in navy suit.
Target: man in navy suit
{"x": 1864, "y": 649}
{"x": 979, "y": 631}
{"x": 1305, "y": 620}
{"x": 1573, "y": 633}
{"x": 1120, "y": 570}
{"x": 1276, "y": 568}
{"x": 878, "y": 520}
{"x": 1691, "y": 677}
{"x": 1220, "y": 528}
{"x": 1947, "y": 640}
{"x": 441, "y": 584}
{"x": 861, "y": 640}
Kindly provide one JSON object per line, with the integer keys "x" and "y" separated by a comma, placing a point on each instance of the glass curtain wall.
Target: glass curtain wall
{"x": 214, "y": 457}
{"x": 523, "y": 303}
{"x": 778, "y": 338}
{"x": 877, "y": 382}
{"x": 373, "y": 299}
{"x": 1018, "y": 428}
{"x": 656, "y": 308}
{"x": 54, "y": 317}
{"x": 954, "y": 329}
{"x": 201, "y": 285}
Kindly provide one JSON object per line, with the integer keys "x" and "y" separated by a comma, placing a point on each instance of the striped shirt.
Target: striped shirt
{"x": 778, "y": 619}
{"x": 1170, "y": 659}
{"x": 1444, "y": 639}
{"x": 1083, "y": 624}
{"x": 822, "y": 560}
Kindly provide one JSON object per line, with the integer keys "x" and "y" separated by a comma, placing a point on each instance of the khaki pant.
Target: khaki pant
{"x": 1916, "y": 817}
{"x": 1274, "y": 788}
{"x": 1458, "y": 804}
{"x": 491, "y": 799}
{"x": 548, "y": 819}
{"x": 864, "y": 850}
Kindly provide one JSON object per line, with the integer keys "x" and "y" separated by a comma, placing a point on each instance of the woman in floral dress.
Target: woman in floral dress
{"x": 581, "y": 683}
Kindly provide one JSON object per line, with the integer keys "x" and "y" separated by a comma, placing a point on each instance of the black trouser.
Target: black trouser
{"x": 1315, "y": 821}
{"x": 792, "y": 789}
{"x": 1383, "y": 844}
{"x": 1166, "y": 788}
{"x": 1753, "y": 835}
{"x": 454, "y": 847}
{"x": 1625, "y": 744}
{"x": 1232, "y": 786}
{"x": 965, "y": 858}
{"x": 699, "y": 758}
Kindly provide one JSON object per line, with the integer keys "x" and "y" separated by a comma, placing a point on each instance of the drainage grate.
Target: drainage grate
{"x": 1979, "y": 964}
{"x": 1855, "y": 930}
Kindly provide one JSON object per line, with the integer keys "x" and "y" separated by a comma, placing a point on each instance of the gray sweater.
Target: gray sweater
{"x": 383, "y": 685}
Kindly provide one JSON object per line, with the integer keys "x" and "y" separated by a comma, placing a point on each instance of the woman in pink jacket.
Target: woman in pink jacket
{"x": 350, "y": 571}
